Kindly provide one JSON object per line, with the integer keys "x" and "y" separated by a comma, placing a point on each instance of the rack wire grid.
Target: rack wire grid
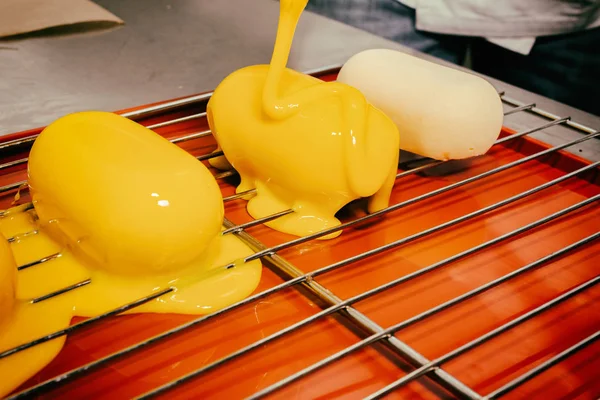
{"x": 479, "y": 281}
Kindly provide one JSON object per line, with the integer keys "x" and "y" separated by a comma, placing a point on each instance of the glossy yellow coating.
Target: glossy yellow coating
{"x": 8, "y": 281}
{"x": 104, "y": 185}
{"x": 302, "y": 143}
{"x": 20, "y": 322}
{"x": 128, "y": 210}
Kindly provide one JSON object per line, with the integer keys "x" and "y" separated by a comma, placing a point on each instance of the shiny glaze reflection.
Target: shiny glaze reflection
{"x": 126, "y": 208}
{"x": 302, "y": 143}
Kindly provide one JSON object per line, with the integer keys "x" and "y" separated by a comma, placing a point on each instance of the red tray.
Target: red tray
{"x": 482, "y": 369}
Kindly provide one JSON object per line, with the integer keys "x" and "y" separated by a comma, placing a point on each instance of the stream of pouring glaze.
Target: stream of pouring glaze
{"x": 302, "y": 143}
{"x": 125, "y": 208}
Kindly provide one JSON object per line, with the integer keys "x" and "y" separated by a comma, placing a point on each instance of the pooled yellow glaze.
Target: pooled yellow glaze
{"x": 8, "y": 281}
{"x": 20, "y": 322}
{"x": 127, "y": 209}
{"x": 302, "y": 143}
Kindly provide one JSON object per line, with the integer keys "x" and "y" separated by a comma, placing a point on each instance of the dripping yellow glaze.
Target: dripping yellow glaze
{"x": 302, "y": 143}
{"x": 20, "y": 322}
{"x": 125, "y": 208}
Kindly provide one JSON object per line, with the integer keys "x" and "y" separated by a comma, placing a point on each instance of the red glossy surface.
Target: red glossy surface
{"x": 484, "y": 369}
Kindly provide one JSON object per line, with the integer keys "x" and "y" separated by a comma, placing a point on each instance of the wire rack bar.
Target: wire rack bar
{"x": 29, "y": 205}
{"x": 114, "y": 356}
{"x": 22, "y": 235}
{"x": 84, "y": 323}
{"x": 521, "y": 108}
{"x": 181, "y": 139}
{"x": 250, "y": 192}
{"x": 208, "y": 133}
{"x": 168, "y": 106}
{"x": 390, "y": 284}
{"x": 162, "y": 336}
{"x": 40, "y": 261}
{"x": 32, "y": 138}
{"x": 417, "y": 199}
{"x": 260, "y": 221}
{"x": 487, "y": 173}
{"x": 512, "y": 385}
{"x": 203, "y": 98}
{"x": 548, "y": 115}
{"x": 297, "y": 277}
{"x": 273, "y": 250}
{"x": 391, "y": 330}
{"x": 529, "y": 131}
{"x": 210, "y": 155}
{"x": 368, "y": 325}
{"x": 13, "y": 163}
{"x": 225, "y": 174}
{"x": 488, "y": 336}
{"x": 61, "y": 291}
{"x": 177, "y": 120}
{"x": 17, "y": 142}
{"x": 12, "y": 186}
{"x": 310, "y": 276}
{"x": 344, "y": 304}
{"x": 192, "y": 136}
{"x": 17, "y": 209}
{"x": 435, "y": 163}
{"x": 328, "y": 297}
{"x": 133, "y": 115}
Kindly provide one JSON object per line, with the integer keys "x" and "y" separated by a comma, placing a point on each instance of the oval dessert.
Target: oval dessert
{"x": 122, "y": 196}
{"x": 302, "y": 143}
{"x": 124, "y": 214}
{"x": 441, "y": 112}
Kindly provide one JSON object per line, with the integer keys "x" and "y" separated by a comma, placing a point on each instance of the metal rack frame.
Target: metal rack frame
{"x": 333, "y": 304}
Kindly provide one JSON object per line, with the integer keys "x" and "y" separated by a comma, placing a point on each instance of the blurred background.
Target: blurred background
{"x": 549, "y": 47}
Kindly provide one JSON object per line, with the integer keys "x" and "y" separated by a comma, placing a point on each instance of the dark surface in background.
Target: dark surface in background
{"x": 565, "y": 68}
{"x": 562, "y": 67}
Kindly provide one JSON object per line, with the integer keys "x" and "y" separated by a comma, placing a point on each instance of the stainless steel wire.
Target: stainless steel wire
{"x": 393, "y": 329}
{"x": 12, "y": 186}
{"x": 225, "y": 174}
{"x": 282, "y": 266}
{"x": 210, "y": 155}
{"x": 548, "y": 115}
{"x": 381, "y": 288}
{"x": 250, "y": 192}
{"x": 260, "y": 221}
{"x": 40, "y": 261}
{"x": 202, "y": 99}
{"x": 61, "y": 291}
{"x": 18, "y": 142}
{"x": 416, "y": 199}
{"x": 22, "y": 235}
{"x": 520, "y": 108}
{"x": 84, "y": 323}
{"x": 563, "y": 355}
{"x": 180, "y": 139}
{"x": 29, "y": 205}
{"x": 274, "y": 249}
{"x": 21, "y": 208}
{"x": 177, "y": 120}
{"x": 488, "y": 336}
{"x": 191, "y": 136}
{"x": 305, "y": 278}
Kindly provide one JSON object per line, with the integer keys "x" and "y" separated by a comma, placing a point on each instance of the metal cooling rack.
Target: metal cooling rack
{"x": 344, "y": 307}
